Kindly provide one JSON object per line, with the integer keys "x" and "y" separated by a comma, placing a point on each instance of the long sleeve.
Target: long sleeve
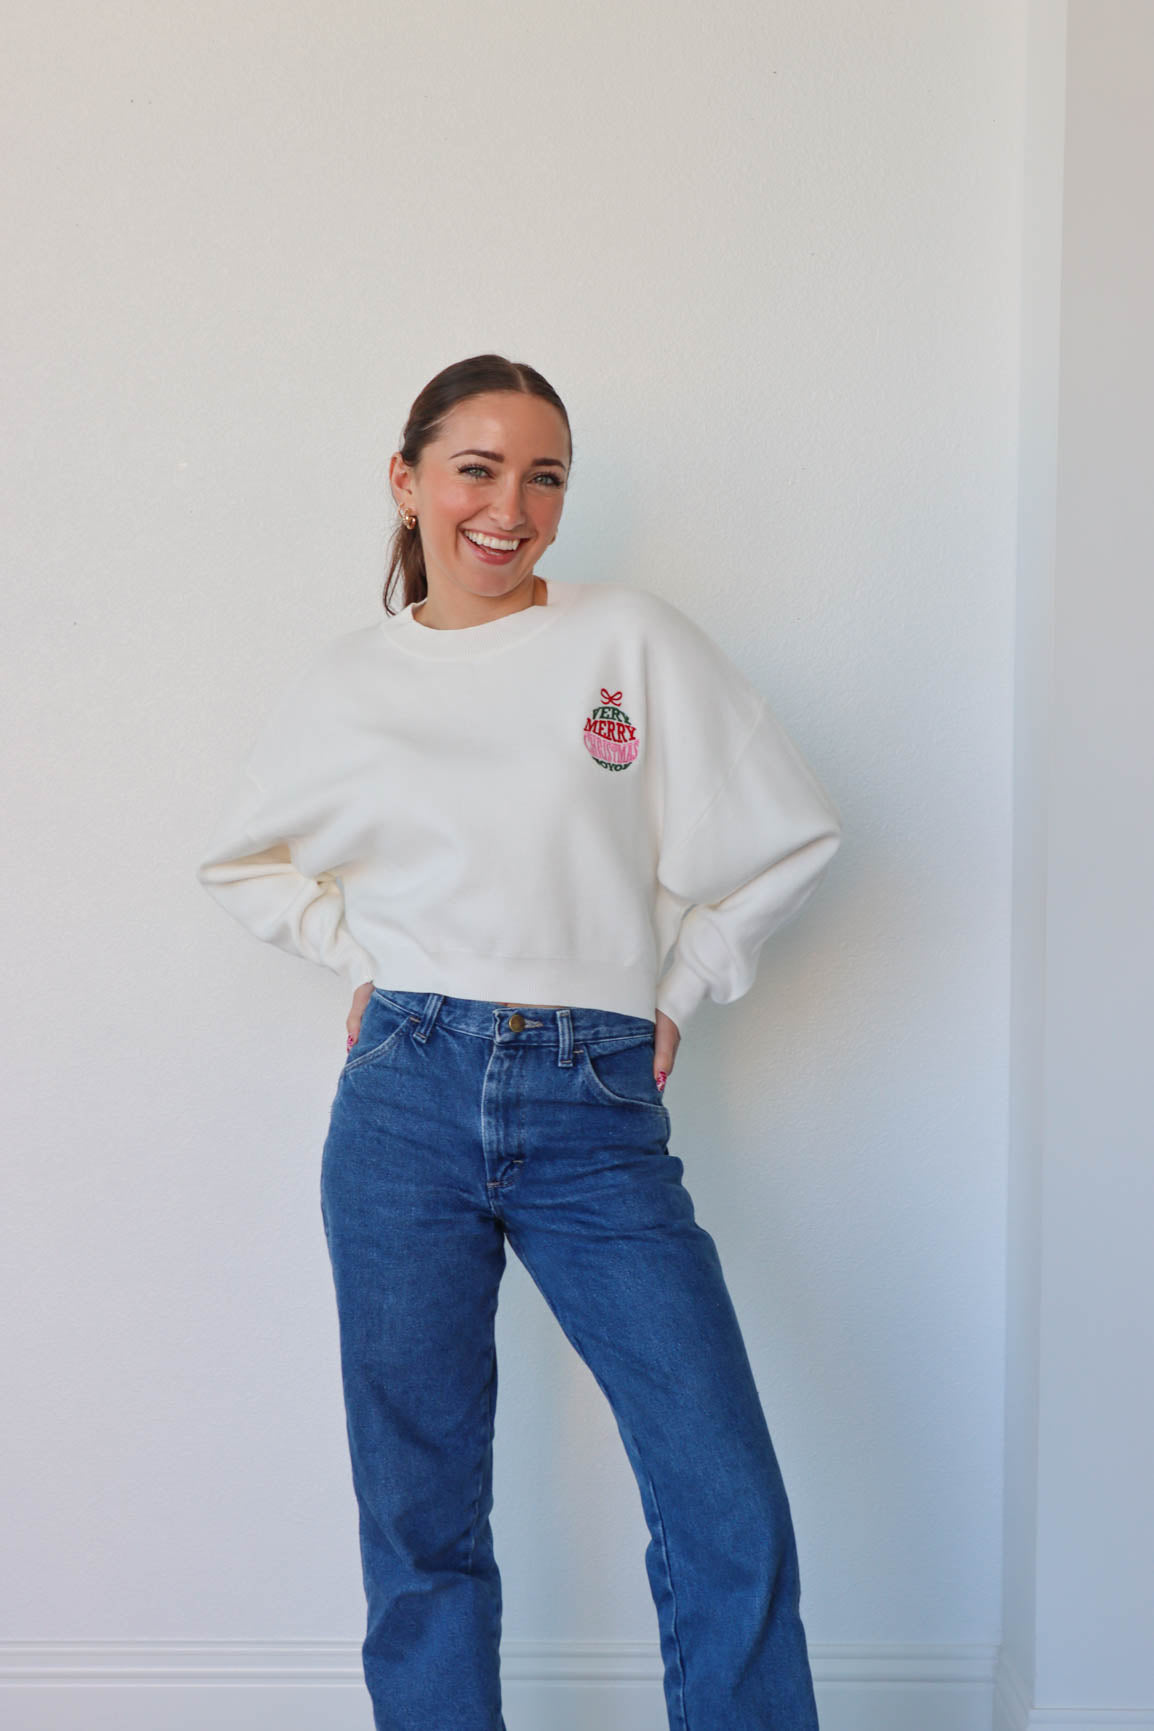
{"x": 293, "y": 824}
{"x": 753, "y": 853}
{"x": 250, "y": 870}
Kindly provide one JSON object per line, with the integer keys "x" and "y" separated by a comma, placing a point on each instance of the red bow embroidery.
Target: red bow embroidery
{"x": 610, "y": 696}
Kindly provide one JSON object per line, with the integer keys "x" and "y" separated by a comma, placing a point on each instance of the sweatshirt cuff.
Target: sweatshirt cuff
{"x": 679, "y": 993}
{"x": 357, "y": 969}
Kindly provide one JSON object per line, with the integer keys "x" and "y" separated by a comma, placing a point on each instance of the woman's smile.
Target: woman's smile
{"x": 493, "y": 549}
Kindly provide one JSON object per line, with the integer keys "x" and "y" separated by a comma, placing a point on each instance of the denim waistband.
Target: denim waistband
{"x": 488, "y": 1019}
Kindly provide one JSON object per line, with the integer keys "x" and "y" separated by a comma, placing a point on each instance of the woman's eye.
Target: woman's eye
{"x": 480, "y": 469}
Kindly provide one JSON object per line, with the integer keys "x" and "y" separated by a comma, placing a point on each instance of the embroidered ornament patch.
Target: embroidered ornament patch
{"x": 610, "y": 736}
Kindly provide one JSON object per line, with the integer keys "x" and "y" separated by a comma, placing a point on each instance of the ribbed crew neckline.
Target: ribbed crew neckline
{"x": 407, "y": 634}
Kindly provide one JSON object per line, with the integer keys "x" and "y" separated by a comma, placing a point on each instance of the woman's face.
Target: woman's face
{"x": 499, "y": 469}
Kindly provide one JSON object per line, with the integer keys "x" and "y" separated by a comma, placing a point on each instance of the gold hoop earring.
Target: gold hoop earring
{"x": 408, "y": 519}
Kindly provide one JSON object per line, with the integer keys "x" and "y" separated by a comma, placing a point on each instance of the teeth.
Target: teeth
{"x": 490, "y": 541}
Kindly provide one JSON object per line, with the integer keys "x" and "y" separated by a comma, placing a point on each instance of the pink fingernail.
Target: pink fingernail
{"x": 662, "y": 1078}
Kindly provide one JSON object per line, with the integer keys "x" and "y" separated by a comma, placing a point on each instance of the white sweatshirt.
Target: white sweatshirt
{"x": 535, "y": 810}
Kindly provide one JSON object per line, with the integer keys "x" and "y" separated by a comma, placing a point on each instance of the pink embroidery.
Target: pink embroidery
{"x": 610, "y": 737}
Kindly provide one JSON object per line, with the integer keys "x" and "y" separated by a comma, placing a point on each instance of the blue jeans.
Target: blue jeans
{"x": 458, "y": 1123}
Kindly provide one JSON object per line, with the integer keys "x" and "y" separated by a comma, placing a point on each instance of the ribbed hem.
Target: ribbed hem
{"x": 519, "y": 980}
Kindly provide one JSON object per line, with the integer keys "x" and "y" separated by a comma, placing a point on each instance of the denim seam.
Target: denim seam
{"x": 580, "y": 1351}
{"x": 490, "y": 1411}
{"x": 672, "y": 1590}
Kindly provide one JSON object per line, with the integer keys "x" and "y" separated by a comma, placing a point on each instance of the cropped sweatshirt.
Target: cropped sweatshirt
{"x": 584, "y": 802}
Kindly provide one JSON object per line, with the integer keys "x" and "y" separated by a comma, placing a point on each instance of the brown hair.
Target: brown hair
{"x": 449, "y": 387}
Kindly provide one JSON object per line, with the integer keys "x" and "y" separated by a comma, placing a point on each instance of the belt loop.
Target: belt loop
{"x": 432, "y": 1006}
{"x": 565, "y": 1037}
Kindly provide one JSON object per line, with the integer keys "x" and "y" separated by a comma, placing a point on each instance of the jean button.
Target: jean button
{"x": 516, "y": 1021}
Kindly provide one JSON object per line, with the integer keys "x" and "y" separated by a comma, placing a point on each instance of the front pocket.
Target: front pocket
{"x": 382, "y": 1023}
{"x": 623, "y": 1075}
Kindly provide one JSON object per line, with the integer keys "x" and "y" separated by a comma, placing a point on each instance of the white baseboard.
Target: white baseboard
{"x": 566, "y": 1685}
{"x": 1014, "y": 1712}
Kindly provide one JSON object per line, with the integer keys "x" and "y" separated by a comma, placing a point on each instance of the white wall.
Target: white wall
{"x": 770, "y": 256}
{"x": 1082, "y": 1634}
{"x": 1045, "y": 120}
{"x": 1078, "y": 1645}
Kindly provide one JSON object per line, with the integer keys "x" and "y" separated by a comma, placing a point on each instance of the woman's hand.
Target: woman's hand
{"x": 360, "y": 998}
{"x": 665, "y": 1044}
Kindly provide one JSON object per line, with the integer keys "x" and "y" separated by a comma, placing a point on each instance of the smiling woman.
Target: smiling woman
{"x": 496, "y": 478}
{"x": 482, "y": 493}
{"x": 534, "y": 786}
